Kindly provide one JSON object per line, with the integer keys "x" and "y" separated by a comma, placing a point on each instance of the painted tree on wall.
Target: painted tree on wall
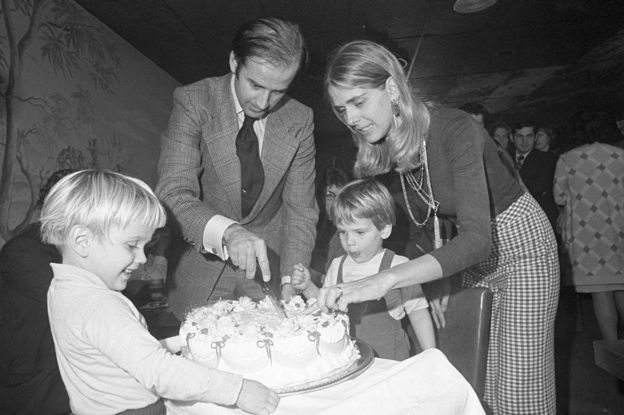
{"x": 57, "y": 33}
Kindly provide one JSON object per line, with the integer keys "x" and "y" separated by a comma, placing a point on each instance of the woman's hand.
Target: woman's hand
{"x": 339, "y": 296}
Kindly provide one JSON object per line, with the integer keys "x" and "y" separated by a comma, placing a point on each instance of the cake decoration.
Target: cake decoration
{"x": 249, "y": 338}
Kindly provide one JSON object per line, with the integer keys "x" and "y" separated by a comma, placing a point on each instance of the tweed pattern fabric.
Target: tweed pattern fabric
{"x": 523, "y": 273}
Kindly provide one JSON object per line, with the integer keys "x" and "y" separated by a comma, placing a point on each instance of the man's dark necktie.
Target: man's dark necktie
{"x": 520, "y": 160}
{"x": 252, "y": 175}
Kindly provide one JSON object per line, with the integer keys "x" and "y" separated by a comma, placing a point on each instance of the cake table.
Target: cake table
{"x": 423, "y": 384}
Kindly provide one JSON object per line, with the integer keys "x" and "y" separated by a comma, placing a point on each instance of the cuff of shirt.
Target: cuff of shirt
{"x": 415, "y": 304}
{"x": 228, "y": 389}
{"x": 213, "y": 235}
{"x": 397, "y": 313}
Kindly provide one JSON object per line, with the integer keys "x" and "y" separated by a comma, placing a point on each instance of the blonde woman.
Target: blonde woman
{"x": 447, "y": 166}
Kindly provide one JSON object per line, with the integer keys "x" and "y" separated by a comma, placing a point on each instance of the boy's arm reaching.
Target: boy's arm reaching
{"x": 302, "y": 280}
{"x": 423, "y": 328}
{"x": 117, "y": 331}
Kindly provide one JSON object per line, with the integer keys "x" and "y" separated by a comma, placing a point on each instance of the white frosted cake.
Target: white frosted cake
{"x": 249, "y": 338}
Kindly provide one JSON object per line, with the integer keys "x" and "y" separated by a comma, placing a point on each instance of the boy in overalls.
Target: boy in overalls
{"x": 363, "y": 212}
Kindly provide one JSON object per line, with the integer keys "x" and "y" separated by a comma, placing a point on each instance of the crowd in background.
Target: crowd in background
{"x": 575, "y": 172}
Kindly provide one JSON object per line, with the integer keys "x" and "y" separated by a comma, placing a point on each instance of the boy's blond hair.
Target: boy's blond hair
{"x": 99, "y": 200}
{"x": 364, "y": 199}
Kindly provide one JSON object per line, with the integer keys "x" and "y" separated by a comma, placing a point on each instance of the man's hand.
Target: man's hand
{"x": 245, "y": 248}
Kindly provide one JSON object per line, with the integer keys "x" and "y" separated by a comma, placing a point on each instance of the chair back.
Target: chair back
{"x": 464, "y": 340}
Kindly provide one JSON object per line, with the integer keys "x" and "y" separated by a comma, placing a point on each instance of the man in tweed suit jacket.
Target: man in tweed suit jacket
{"x": 200, "y": 177}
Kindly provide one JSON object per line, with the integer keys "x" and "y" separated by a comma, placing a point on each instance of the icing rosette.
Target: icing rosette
{"x": 296, "y": 305}
{"x": 332, "y": 334}
{"x": 245, "y": 304}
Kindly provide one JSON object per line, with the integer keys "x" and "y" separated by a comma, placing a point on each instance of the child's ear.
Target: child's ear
{"x": 80, "y": 239}
{"x": 386, "y": 231}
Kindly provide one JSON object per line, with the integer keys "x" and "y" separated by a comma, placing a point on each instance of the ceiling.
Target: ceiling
{"x": 519, "y": 56}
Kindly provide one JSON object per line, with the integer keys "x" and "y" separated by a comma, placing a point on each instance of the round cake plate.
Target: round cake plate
{"x": 356, "y": 369}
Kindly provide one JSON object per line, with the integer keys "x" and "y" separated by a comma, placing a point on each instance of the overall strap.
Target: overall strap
{"x": 386, "y": 261}
{"x": 358, "y": 310}
{"x": 339, "y": 276}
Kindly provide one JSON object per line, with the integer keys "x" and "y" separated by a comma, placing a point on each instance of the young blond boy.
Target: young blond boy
{"x": 363, "y": 212}
{"x": 100, "y": 221}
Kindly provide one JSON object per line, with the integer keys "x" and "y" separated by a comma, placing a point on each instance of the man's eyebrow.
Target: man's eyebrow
{"x": 256, "y": 83}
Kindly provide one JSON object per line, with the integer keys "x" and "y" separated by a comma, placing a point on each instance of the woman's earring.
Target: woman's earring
{"x": 395, "y": 112}
{"x": 395, "y": 108}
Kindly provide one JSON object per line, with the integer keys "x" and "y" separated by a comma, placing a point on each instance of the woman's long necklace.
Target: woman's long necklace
{"x": 425, "y": 194}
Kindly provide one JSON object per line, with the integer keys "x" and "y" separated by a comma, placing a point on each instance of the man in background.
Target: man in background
{"x": 478, "y": 112}
{"x": 536, "y": 168}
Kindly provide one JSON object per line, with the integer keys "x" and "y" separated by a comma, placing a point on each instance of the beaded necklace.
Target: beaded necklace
{"x": 425, "y": 194}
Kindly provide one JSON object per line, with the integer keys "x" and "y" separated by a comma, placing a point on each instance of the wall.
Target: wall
{"x": 74, "y": 95}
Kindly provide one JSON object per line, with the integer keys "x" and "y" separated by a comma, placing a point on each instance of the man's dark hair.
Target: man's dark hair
{"x": 277, "y": 41}
{"x": 600, "y": 127}
{"x": 499, "y": 124}
{"x": 335, "y": 176}
{"x": 476, "y": 108}
{"x": 524, "y": 123}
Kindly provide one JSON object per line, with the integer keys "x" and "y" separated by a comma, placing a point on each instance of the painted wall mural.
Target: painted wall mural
{"x": 73, "y": 95}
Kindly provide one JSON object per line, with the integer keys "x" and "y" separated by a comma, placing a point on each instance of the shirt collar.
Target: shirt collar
{"x": 66, "y": 272}
{"x": 237, "y": 106}
{"x": 240, "y": 114}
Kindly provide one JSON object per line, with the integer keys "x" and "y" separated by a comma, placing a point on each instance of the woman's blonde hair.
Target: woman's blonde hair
{"x": 364, "y": 199}
{"x": 99, "y": 200}
{"x": 365, "y": 64}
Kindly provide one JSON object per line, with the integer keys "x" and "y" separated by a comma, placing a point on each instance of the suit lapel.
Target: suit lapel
{"x": 278, "y": 150}
{"x": 220, "y": 138}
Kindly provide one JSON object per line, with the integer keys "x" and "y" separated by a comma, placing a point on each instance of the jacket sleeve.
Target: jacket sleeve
{"x": 179, "y": 167}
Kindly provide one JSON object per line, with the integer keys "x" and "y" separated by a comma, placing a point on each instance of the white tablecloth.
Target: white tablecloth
{"x": 423, "y": 384}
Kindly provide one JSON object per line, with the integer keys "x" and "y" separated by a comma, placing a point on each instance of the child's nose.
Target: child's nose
{"x": 350, "y": 239}
{"x": 140, "y": 257}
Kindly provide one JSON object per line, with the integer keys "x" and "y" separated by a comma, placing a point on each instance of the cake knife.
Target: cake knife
{"x": 266, "y": 289}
